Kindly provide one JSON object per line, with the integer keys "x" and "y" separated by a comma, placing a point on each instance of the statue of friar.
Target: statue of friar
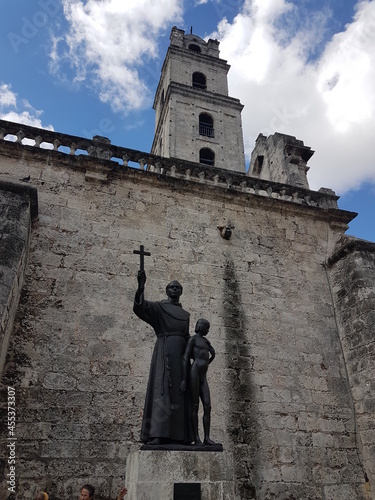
{"x": 166, "y": 416}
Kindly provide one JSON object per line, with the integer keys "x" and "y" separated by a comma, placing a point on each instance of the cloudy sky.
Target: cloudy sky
{"x": 302, "y": 67}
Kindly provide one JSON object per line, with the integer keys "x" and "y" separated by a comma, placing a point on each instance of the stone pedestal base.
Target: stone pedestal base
{"x": 153, "y": 474}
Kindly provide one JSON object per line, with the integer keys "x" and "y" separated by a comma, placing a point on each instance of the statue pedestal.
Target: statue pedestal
{"x": 154, "y": 474}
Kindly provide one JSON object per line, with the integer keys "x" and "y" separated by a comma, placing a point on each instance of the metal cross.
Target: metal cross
{"x": 141, "y": 252}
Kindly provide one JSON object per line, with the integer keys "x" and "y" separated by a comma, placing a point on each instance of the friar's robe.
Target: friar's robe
{"x": 167, "y": 411}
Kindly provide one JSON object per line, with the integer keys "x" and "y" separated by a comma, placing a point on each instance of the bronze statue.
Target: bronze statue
{"x": 200, "y": 350}
{"x": 166, "y": 416}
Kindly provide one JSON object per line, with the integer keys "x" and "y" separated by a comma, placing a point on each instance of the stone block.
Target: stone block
{"x": 157, "y": 471}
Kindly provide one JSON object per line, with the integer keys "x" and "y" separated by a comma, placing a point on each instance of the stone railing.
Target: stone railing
{"x": 120, "y": 158}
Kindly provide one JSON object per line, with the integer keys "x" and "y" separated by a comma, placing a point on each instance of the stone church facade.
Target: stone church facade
{"x": 289, "y": 296}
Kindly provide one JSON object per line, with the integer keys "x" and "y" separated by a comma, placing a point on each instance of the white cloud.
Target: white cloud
{"x": 7, "y": 97}
{"x": 327, "y": 100}
{"x": 347, "y": 70}
{"x": 24, "y": 113}
{"x": 107, "y": 43}
{"x": 24, "y": 117}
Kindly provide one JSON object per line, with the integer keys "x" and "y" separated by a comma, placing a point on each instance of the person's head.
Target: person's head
{"x": 174, "y": 290}
{"x": 41, "y": 496}
{"x": 202, "y": 326}
{"x": 87, "y": 492}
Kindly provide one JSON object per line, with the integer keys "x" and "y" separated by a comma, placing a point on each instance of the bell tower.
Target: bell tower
{"x": 196, "y": 120}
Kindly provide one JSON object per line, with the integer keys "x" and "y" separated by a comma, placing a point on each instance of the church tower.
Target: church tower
{"x": 196, "y": 120}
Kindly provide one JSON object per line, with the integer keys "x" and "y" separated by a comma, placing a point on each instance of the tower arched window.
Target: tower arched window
{"x": 206, "y": 125}
{"x": 199, "y": 80}
{"x": 258, "y": 165}
{"x": 207, "y": 156}
{"x": 194, "y": 47}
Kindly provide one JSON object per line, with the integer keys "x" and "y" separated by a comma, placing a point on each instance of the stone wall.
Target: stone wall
{"x": 352, "y": 276}
{"x": 79, "y": 357}
{"x": 18, "y": 205}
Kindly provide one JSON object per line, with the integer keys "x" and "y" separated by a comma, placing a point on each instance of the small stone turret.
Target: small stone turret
{"x": 281, "y": 158}
{"x": 194, "y": 43}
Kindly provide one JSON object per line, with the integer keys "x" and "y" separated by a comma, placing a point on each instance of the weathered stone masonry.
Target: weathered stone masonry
{"x": 18, "y": 205}
{"x": 352, "y": 277}
{"x": 282, "y": 384}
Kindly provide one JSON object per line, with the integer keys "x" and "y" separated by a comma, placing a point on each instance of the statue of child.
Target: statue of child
{"x": 202, "y": 353}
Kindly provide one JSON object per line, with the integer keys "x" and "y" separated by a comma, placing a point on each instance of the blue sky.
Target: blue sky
{"x": 304, "y": 68}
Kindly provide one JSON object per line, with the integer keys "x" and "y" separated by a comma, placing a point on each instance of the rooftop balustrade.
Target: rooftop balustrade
{"x": 120, "y": 158}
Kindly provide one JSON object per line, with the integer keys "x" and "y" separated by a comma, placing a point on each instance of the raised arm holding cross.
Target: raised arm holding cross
{"x": 141, "y": 252}
{"x": 141, "y": 273}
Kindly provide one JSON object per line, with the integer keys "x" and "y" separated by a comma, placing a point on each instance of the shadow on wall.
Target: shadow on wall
{"x": 242, "y": 424}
